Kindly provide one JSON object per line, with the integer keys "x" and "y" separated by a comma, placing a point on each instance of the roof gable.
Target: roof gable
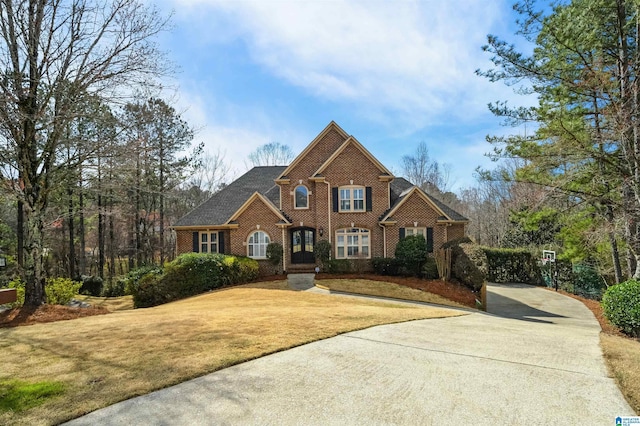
{"x": 222, "y": 205}
{"x": 331, "y": 127}
{"x": 260, "y": 198}
{"x": 404, "y": 190}
{"x": 351, "y": 141}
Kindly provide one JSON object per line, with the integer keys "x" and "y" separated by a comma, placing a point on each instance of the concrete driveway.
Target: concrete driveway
{"x": 533, "y": 359}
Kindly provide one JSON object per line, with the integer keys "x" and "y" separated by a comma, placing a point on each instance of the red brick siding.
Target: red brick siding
{"x": 184, "y": 240}
{"x": 257, "y": 213}
{"x": 416, "y": 209}
{"x": 455, "y": 231}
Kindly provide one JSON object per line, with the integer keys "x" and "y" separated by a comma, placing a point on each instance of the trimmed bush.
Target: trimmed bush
{"x": 338, "y": 266}
{"x": 91, "y": 285}
{"x": 385, "y": 266}
{"x": 322, "y": 250}
{"x": 411, "y": 254}
{"x": 60, "y": 291}
{"x": 469, "y": 265}
{"x": 512, "y": 266}
{"x": 249, "y": 269}
{"x": 430, "y": 269}
{"x": 621, "y": 305}
{"x": 274, "y": 255}
{"x": 191, "y": 274}
{"x": 132, "y": 279}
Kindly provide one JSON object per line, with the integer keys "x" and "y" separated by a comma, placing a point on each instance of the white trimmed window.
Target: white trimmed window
{"x": 351, "y": 198}
{"x": 415, "y": 231}
{"x": 257, "y": 245}
{"x": 301, "y": 197}
{"x": 209, "y": 242}
{"x": 353, "y": 243}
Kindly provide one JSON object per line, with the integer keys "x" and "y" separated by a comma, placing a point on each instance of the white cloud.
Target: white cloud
{"x": 407, "y": 62}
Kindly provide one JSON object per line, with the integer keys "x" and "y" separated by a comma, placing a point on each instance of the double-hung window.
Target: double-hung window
{"x": 416, "y": 231}
{"x": 352, "y": 199}
{"x": 209, "y": 242}
{"x": 352, "y": 243}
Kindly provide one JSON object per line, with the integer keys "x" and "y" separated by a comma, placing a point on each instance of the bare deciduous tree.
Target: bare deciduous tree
{"x": 271, "y": 154}
{"x": 426, "y": 173}
{"x": 52, "y": 54}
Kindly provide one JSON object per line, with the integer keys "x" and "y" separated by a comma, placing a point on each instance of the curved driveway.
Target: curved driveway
{"x": 533, "y": 359}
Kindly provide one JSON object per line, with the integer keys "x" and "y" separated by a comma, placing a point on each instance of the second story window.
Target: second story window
{"x": 301, "y": 197}
{"x": 352, "y": 198}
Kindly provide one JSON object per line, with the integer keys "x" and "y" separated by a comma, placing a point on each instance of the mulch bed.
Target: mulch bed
{"x": 45, "y": 313}
{"x": 447, "y": 289}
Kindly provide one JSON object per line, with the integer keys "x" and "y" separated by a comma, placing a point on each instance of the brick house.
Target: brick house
{"x": 334, "y": 190}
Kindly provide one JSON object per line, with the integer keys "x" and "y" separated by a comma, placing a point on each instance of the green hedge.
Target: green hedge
{"x": 621, "y": 305}
{"x": 339, "y": 266}
{"x": 469, "y": 264}
{"x": 411, "y": 253}
{"x": 385, "y": 266}
{"x": 191, "y": 274}
{"x": 512, "y": 266}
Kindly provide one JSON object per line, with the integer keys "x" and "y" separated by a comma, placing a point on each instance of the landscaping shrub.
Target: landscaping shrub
{"x": 60, "y": 291}
{"x": 322, "y": 250}
{"x": 132, "y": 279}
{"x": 512, "y": 266}
{"x": 249, "y": 269}
{"x": 190, "y": 274}
{"x": 114, "y": 288}
{"x": 621, "y": 305}
{"x": 149, "y": 292}
{"x": 430, "y": 269}
{"x": 338, "y": 266}
{"x": 274, "y": 255}
{"x": 385, "y": 266}
{"x": 411, "y": 253}
{"x": 469, "y": 265}
{"x": 91, "y": 285}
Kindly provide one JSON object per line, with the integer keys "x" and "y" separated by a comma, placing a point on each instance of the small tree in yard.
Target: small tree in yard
{"x": 274, "y": 255}
{"x": 411, "y": 253}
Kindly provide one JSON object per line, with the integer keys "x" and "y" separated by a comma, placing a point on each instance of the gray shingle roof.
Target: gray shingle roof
{"x": 399, "y": 185}
{"x": 218, "y": 209}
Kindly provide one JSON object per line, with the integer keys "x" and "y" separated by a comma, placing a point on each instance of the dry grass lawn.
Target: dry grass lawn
{"x": 108, "y": 358}
{"x": 623, "y": 358}
{"x": 384, "y": 289}
{"x": 110, "y": 303}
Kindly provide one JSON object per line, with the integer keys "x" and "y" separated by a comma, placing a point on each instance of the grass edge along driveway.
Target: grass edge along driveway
{"x": 108, "y": 358}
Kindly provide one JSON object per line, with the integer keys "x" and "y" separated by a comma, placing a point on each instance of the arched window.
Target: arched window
{"x": 301, "y": 197}
{"x": 257, "y": 245}
{"x": 352, "y": 243}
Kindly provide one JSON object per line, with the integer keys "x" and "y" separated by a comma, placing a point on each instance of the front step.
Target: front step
{"x": 302, "y": 268}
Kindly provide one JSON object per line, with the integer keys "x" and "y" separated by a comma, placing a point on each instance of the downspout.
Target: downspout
{"x": 329, "y": 208}
{"x": 384, "y": 239}
{"x": 284, "y": 252}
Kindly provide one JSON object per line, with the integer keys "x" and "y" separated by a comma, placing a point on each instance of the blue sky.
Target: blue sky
{"x": 390, "y": 73}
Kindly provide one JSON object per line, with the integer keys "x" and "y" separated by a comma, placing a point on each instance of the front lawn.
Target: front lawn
{"x": 104, "y": 359}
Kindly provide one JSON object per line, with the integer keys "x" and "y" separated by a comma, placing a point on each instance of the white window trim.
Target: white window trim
{"x": 414, "y": 230}
{"x": 295, "y": 199}
{"x": 345, "y": 232}
{"x": 208, "y": 242}
{"x": 266, "y": 243}
{"x": 352, "y": 189}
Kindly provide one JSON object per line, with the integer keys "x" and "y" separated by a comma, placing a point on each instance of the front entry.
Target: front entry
{"x": 302, "y": 241}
